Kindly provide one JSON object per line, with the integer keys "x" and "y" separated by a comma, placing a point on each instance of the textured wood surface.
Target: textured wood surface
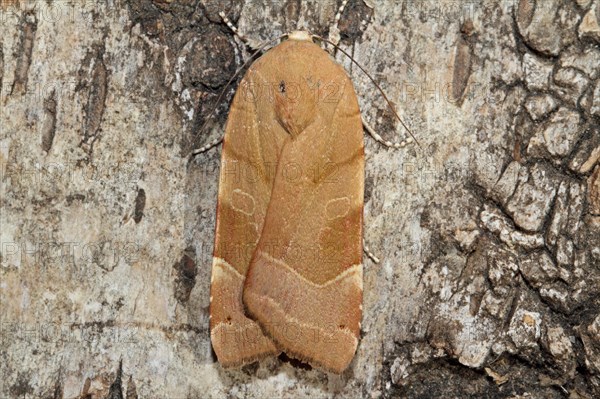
{"x": 488, "y": 234}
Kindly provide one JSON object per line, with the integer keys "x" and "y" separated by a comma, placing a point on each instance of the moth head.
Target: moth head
{"x": 300, "y": 35}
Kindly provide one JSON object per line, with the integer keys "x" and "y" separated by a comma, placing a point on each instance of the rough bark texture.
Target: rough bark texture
{"x": 489, "y": 233}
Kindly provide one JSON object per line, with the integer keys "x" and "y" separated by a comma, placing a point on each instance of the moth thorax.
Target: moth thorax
{"x": 300, "y": 35}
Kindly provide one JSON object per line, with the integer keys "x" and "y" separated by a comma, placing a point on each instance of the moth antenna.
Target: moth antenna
{"x": 207, "y": 147}
{"x": 378, "y": 88}
{"x": 339, "y": 13}
{"x": 370, "y": 254}
{"x": 233, "y": 28}
{"x": 251, "y": 43}
{"x": 220, "y": 139}
{"x": 380, "y": 140}
{"x": 334, "y": 31}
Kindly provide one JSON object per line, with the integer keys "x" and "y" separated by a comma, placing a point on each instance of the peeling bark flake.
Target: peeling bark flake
{"x": 462, "y": 68}
{"x": 1, "y": 69}
{"x": 131, "y": 392}
{"x": 96, "y": 103}
{"x": 49, "y": 126}
{"x": 525, "y": 11}
{"x": 140, "y": 204}
{"x": 594, "y": 192}
{"x": 24, "y": 51}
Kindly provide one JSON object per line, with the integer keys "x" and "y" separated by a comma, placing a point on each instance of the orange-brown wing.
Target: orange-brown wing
{"x": 247, "y": 170}
{"x": 304, "y": 284}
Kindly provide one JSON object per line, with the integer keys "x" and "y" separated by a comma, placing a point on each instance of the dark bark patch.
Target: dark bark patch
{"x": 298, "y": 364}
{"x": 131, "y": 392}
{"x": 354, "y": 20}
{"x": 116, "y": 390}
{"x": 23, "y": 52}
{"x": 462, "y": 63}
{"x": 140, "y": 204}
{"x": 185, "y": 278}
{"x": 49, "y": 126}
{"x": 95, "y": 107}
{"x": 211, "y": 61}
{"x": 57, "y": 391}
{"x": 21, "y": 388}
{"x": 1, "y": 68}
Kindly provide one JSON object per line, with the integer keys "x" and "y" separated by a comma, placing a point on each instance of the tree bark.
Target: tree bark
{"x": 488, "y": 231}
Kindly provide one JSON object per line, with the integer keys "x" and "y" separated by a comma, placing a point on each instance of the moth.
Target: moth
{"x": 287, "y": 271}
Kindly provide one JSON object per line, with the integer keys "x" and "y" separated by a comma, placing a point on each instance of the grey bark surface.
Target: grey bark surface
{"x": 489, "y": 233}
